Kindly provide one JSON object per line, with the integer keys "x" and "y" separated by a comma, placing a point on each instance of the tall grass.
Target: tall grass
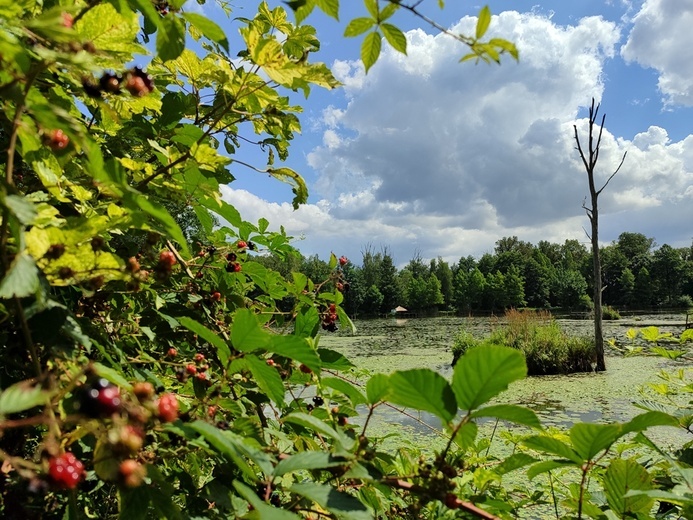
{"x": 547, "y": 348}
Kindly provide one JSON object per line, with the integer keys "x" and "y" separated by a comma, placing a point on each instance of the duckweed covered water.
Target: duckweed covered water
{"x": 388, "y": 345}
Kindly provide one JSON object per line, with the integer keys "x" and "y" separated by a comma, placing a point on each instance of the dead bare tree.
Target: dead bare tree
{"x": 589, "y": 161}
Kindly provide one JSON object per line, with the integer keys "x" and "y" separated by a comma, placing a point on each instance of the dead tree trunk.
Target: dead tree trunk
{"x": 589, "y": 161}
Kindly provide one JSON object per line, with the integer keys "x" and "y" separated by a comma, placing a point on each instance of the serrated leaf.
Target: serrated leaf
{"x": 370, "y": 49}
{"x": 423, "y": 389}
{"x": 170, "y": 38}
{"x": 267, "y": 378}
{"x": 590, "y": 439}
{"x": 318, "y": 426}
{"x": 466, "y": 435}
{"x": 510, "y": 412}
{"x": 482, "y": 373}
{"x": 550, "y": 445}
{"x": 223, "y": 350}
{"x": 395, "y": 37}
{"x": 21, "y": 279}
{"x": 263, "y": 511}
{"x": 246, "y": 333}
{"x": 622, "y": 476}
{"x": 329, "y": 7}
{"x": 647, "y": 420}
{"x": 545, "y": 466}
{"x": 342, "y": 505}
{"x": 23, "y": 396}
{"x": 377, "y": 388}
{"x": 296, "y": 348}
{"x": 208, "y": 28}
{"x": 23, "y": 209}
{"x": 483, "y": 21}
{"x": 358, "y": 26}
{"x": 372, "y": 6}
{"x": 307, "y": 460}
{"x": 334, "y": 360}
{"x": 297, "y": 182}
{"x": 354, "y": 394}
{"x": 515, "y": 461}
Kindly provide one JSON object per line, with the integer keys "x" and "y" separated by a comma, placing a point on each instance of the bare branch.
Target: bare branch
{"x": 615, "y": 172}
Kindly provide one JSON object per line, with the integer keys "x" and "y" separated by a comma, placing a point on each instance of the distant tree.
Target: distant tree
{"x": 469, "y": 288}
{"x": 589, "y": 160}
{"x": 627, "y": 287}
{"x": 569, "y": 286}
{"x": 372, "y": 301}
{"x": 514, "y": 288}
{"x": 538, "y": 273}
{"x": 495, "y": 295}
{"x": 643, "y": 292}
{"x": 667, "y": 271}
{"x": 613, "y": 262}
{"x": 441, "y": 270}
{"x": 315, "y": 269}
{"x": 388, "y": 283}
{"x": 637, "y": 248}
{"x": 487, "y": 264}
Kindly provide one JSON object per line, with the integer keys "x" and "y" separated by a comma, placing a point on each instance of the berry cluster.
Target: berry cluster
{"x": 329, "y": 318}
{"x": 56, "y": 140}
{"x": 167, "y": 407}
{"x": 165, "y": 265}
{"x": 136, "y": 81}
{"x": 65, "y": 471}
{"x": 99, "y": 398}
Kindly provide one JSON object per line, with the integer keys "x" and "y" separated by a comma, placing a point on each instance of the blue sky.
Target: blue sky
{"x": 428, "y": 156}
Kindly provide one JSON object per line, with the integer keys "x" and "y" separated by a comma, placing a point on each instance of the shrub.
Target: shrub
{"x": 463, "y": 341}
{"x": 609, "y": 313}
{"x": 547, "y": 348}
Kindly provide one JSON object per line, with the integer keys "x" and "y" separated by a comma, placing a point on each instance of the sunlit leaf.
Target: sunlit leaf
{"x": 370, "y": 49}
{"x": 423, "y": 389}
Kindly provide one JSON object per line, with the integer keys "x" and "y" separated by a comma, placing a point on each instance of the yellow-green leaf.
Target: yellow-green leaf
{"x": 370, "y": 49}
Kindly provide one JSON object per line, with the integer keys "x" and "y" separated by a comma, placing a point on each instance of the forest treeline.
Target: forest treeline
{"x": 637, "y": 274}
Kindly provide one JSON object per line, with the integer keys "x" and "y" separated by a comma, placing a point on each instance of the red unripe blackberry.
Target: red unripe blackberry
{"x": 241, "y": 244}
{"x": 65, "y": 471}
{"x": 168, "y": 408}
{"x": 167, "y": 258}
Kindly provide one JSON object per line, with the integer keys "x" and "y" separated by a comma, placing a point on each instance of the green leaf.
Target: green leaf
{"x": 358, "y": 26}
{"x": 233, "y": 448}
{"x": 483, "y": 22}
{"x": 329, "y": 7}
{"x": 370, "y": 49}
{"x": 21, "y": 279}
{"x": 267, "y": 378}
{"x": 23, "y": 209}
{"x": 334, "y": 360}
{"x": 203, "y": 332}
{"x": 388, "y": 11}
{"x": 318, "y": 426}
{"x": 133, "y": 503}
{"x": 307, "y": 460}
{"x": 647, "y": 420}
{"x": 170, "y": 39}
{"x": 112, "y": 375}
{"x": 547, "y": 465}
{"x": 423, "y": 389}
{"x": 621, "y": 476}
{"x": 510, "y": 412}
{"x": 590, "y": 439}
{"x": 372, "y": 6}
{"x": 342, "y": 505}
{"x": 515, "y": 461}
{"x": 482, "y": 373}
{"x": 296, "y": 348}
{"x": 263, "y": 510}
{"x": 246, "y": 333}
{"x": 546, "y": 444}
{"x": 307, "y": 322}
{"x": 161, "y": 214}
{"x": 377, "y": 388}
{"x": 22, "y": 396}
{"x": 395, "y": 37}
{"x": 208, "y": 28}
{"x": 354, "y": 394}
{"x": 289, "y": 176}
{"x": 466, "y": 435}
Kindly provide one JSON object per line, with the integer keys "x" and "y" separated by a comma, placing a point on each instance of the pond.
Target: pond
{"x": 386, "y": 345}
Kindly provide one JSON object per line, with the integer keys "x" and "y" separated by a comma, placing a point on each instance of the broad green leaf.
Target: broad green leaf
{"x": 346, "y": 388}
{"x": 23, "y": 209}
{"x": 234, "y": 448}
{"x": 423, "y": 389}
{"x": 203, "y": 332}
{"x": 686, "y": 335}
{"x": 547, "y": 465}
{"x": 483, "y": 22}
{"x": 267, "y": 378}
{"x": 632, "y": 333}
{"x": 296, "y": 348}
{"x": 370, "y": 49}
{"x": 515, "y": 461}
{"x": 262, "y": 510}
{"x": 667, "y": 353}
{"x": 112, "y": 375}
{"x": 590, "y": 439}
{"x": 307, "y": 322}
{"x": 395, "y": 37}
{"x": 466, "y": 435}
{"x": 208, "y": 28}
{"x": 358, "y": 26}
{"x": 510, "y": 412}
{"x": 650, "y": 333}
{"x": 307, "y": 460}
{"x": 334, "y": 360}
{"x": 246, "y": 333}
{"x": 159, "y": 213}
{"x": 110, "y": 31}
{"x": 647, "y": 420}
{"x": 170, "y": 38}
{"x": 550, "y": 445}
{"x": 22, "y": 396}
{"x": 372, "y": 6}
{"x": 320, "y": 427}
{"x": 21, "y": 279}
{"x": 482, "y": 373}
{"x": 388, "y": 11}
{"x": 377, "y": 388}
{"x": 342, "y": 505}
{"x": 621, "y": 476}
{"x": 133, "y": 503}
{"x": 329, "y": 7}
